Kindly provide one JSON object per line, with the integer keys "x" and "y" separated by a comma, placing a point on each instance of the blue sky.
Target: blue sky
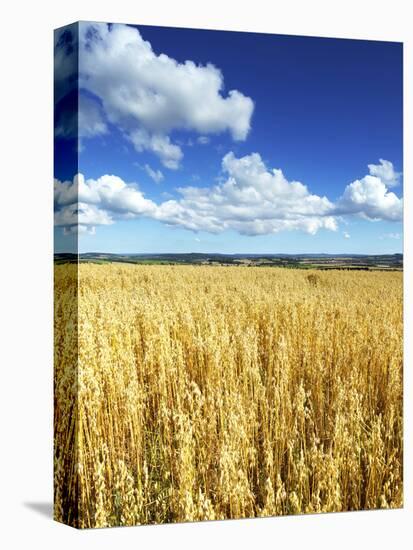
{"x": 172, "y": 161}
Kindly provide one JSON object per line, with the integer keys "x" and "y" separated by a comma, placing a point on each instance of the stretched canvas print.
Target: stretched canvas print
{"x": 228, "y": 275}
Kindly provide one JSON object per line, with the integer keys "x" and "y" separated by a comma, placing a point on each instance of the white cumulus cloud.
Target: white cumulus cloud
{"x": 169, "y": 153}
{"x": 385, "y": 172}
{"x": 90, "y": 202}
{"x": 370, "y": 198}
{"x": 149, "y": 95}
{"x": 248, "y": 198}
{"x": 251, "y": 200}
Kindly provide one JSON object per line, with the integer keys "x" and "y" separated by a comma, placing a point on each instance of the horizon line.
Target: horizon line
{"x": 242, "y": 253}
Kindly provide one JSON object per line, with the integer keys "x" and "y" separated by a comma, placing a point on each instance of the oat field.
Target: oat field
{"x": 187, "y": 393}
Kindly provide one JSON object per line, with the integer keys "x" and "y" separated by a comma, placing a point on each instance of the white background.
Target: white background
{"x": 26, "y": 270}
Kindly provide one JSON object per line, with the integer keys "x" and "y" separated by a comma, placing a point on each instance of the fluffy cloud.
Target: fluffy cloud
{"x": 385, "y": 172}
{"x": 169, "y": 153}
{"x": 370, "y": 198}
{"x": 149, "y": 95}
{"x": 90, "y": 202}
{"x": 250, "y": 199}
{"x": 80, "y": 216}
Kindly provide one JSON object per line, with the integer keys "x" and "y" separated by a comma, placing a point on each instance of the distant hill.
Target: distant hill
{"x": 302, "y": 261}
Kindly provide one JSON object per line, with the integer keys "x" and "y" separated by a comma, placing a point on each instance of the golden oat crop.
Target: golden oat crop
{"x": 188, "y": 393}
